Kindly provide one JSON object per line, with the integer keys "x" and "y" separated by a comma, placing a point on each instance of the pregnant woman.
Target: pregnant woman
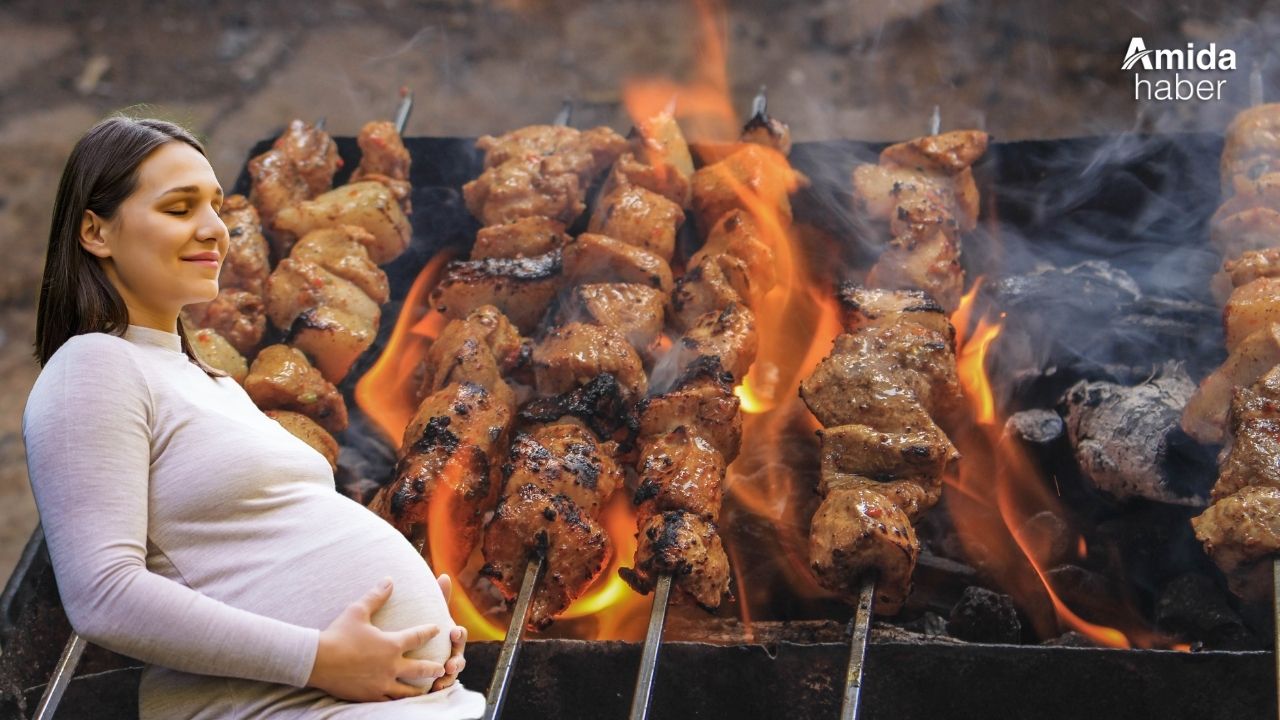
{"x": 186, "y": 528}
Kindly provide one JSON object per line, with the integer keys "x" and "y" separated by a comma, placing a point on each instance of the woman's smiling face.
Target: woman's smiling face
{"x": 165, "y": 245}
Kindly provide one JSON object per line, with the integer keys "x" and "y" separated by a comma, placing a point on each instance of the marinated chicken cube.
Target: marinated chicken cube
{"x": 521, "y": 188}
{"x": 309, "y": 432}
{"x": 636, "y": 311}
{"x": 739, "y": 236}
{"x": 367, "y": 205}
{"x": 1205, "y": 416}
{"x": 729, "y": 335}
{"x": 562, "y": 149}
{"x": 564, "y": 458}
{"x": 520, "y": 288}
{"x": 1241, "y": 533}
{"x": 862, "y": 450}
{"x": 679, "y": 471}
{"x": 686, "y": 547}
{"x": 573, "y": 355}
{"x": 1252, "y": 453}
{"x": 248, "y": 259}
{"x": 216, "y": 351}
{"x": 299, "y": 166}
{"x": 239, "y": 316}
{"x": 526, "y": 237}
{"x": 702, "y": 399}
{"x": 705, "y": 288}
{"x": 333, "y": 338}
{"x": 1248, "y": 230}
{"x": 930, "y": 263}
{"x": 343, "y": 252}
{"x": 296, "y": 286}
{"x": 599, "y": 258}
{"x": 754, "y": 178}
{"x": 1251, "y": 307}
{"x": 949, "y": 153}
{"x": 855, "y": 531}
{"x": 481, "y": 348}
{"x": 767, "y": 131}
{"x": 384, "y": 159}
{"x": 862, "y": 307}
{"x": 639, "y": 217}
{"x": 281, "y": 378}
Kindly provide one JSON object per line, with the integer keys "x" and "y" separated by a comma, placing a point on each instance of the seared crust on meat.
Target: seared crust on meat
{"x": 686, "y": 547}
{"x": 281, "y": 378}
{"x": 521, "y": 288}
{"x": 857, "y": 530}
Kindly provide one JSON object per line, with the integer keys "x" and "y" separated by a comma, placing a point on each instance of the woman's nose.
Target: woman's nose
{"x": 213, "y": 228}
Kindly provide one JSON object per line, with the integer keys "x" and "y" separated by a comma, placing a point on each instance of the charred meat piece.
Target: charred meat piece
{"x": 561, "y": 149}
{"x": 296, "y": 286}
{"x": 686, "y": 547}
{"x": 367, "y": 205}
{"x": 679, "y": 471}
{"x": 1205, "y": 416}
{"x": 928, "y": 262}
{"x": 565, "y": 458}
{"x": 754, "y": 178}
{"x": 703, "y": 399}
{"x": 729, "y": 334}
{"x": 282, "y": 379}
{"x": 636, "y": 311}
{"x": 309, "y": 432}
{"x": 738, "y": 236}
{"x": 248, "y": 259}
{"x": 866, "y": 307}
{"x": 526, "y": 237}
{"x": 521, "y": 188}
{"x": 333, "y": 338}
{"x": 863, "y": 450}
{"x": 448, "y": 465}
{"x": 237, "y": 315}
{"x": 573, "y": 355}
{"x": 384, "y": 158}
{"x": 219, "y": 353}
{"x": 858, "y": 530}
{"x": 891, "y": 378}
{"x": 520, "y": 288}
{"x": 1252, "y": 453}
{"x": 481, "y": 348}
{"x": 602, "y": 405}
{"x": 343, "y": 252}
{"x": 639, "y": 217}
{"x": 599, "y": 258}
{"x": 299, "y": 166}
{"x": 705, "y": 288}
{"x": 1241, "y": 532}
{"x": 531, "y": 520}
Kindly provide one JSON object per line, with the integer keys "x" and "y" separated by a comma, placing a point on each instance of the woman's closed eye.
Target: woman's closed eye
{"x": 179, "y": 212}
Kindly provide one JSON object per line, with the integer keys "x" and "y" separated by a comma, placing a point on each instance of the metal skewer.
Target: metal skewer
{"x": 858, "y": 647}
{"x": 62, "y": 673}
{"x": 649, "y": 658}
{"x": 403, "y": 109}
{"x": 511, "y": 645}
{"x": 566, "y": 113}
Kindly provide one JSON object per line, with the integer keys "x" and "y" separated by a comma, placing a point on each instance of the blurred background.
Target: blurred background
{"x": 867, "y": 70}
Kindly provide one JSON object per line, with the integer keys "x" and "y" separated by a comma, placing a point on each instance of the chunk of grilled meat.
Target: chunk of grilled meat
{"x": 728, "y": 334}
{"x": 1252, "y": 453}
{"x": 639, "y": 217}
{"x": 564, "y": 458}
{"x": 906, "y": 468}
{"x": 686, "y": 547}
{"x": 1205, "y": 416}
{"x": 561, "y": 149}
{"x": 926, "y": 258}
{"x": 530, "y": 520}
{"x": 343, "y": 252}
{"x": 384, "y": 158}
{"x": 1252, "y": 229}
{"x": 599, "y": 258}
{"x": 1252, "y": 265}
{"x": 1250, "y": 308}
{"x": 448, "y": 466}
{"x": 893, "y": 378}
{"x": 481, "y": 348}
{"x": 1252, "y": 143}
{"x": 368, "y": 205}
{"x": 574, "y": 354}
{"x": 521, "y": 188}
{"x": 602, "y": 405}
{"x": 659, "y": 161}
{"x": 281, "y": 378}
{"x": 526, "y": 237}
{"x": 219, "y": 353}
{"x": 636, "y": 311}
{"x": 754, "y": 178}
{"x": 705, "y": 288}
{"x": 240, "y": 316}
{"x": 333, "y": 338}
{"x": 296, "y": 286}
{"x": 1241, "y": 533}
{"x": 752, "y": 273}
{"x": 932, "y": 170}
{"x": 770, "y": 132}
{"x": 680, "y": 470}
{"x": 248, "y": 260}
{"x": 949, "y": 153}
{"x": 309, "y": 432}
{"x": 861, "y": 307}
{"x": 857, "y": 530}
{"x": 521, "y": 288}
{"x": 300, "y": 165}
{"x": 703, "y": 399}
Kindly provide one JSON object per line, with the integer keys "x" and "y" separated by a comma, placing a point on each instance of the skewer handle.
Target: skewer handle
{"x": 649, "y": 658}
{"x": 858, "y": 648}
{"x": 62, "y": 673}
{"x": 511, "y": 646}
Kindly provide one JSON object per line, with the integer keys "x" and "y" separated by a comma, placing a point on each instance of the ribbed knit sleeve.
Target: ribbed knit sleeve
{"x": 87, "y": 428}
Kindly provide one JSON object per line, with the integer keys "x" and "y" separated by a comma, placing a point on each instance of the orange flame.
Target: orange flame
{"x": 998, "y": 489}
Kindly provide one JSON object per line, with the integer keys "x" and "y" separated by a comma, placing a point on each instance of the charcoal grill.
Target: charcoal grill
{"x": 1132, "y": 197}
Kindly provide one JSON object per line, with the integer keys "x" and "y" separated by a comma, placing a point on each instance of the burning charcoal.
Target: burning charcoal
{"x": 1048, "y": 536}
{"x": 1126, "y": 439}
{"x": 1077, "y": 299}
{"x": 985, "y": 616}
{"x": 928, "y": 625}
{"x": 1195, "y": 608}
{"x": 1036, "y": 427}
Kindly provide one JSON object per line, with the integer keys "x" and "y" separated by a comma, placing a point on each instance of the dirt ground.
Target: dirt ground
{"x": 236, "y": 72}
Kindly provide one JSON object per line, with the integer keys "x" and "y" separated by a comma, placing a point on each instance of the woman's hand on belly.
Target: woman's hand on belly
{"x": 357, "y": 661}
{"x": 457, "y": 643}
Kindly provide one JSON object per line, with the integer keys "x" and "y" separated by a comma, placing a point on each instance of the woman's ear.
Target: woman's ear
{"x": 92, "y": 236}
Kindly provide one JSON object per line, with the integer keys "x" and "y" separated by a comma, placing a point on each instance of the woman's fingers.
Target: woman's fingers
{"x": 403, "y": 690}
{"x": 420, "y": 670}
{"x": 446, "y": 585}
{"x": 415, "y": 637}
{"x": 373, "y": 600}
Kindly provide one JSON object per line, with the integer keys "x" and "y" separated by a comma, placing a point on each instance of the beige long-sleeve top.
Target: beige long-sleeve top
{"x": 189, "y": 530}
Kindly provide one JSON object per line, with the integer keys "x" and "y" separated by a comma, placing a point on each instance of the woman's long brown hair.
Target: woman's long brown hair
{"x": 75, "y": 295}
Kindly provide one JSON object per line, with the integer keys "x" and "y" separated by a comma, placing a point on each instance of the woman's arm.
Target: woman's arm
{"x": 87, "y": 433}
